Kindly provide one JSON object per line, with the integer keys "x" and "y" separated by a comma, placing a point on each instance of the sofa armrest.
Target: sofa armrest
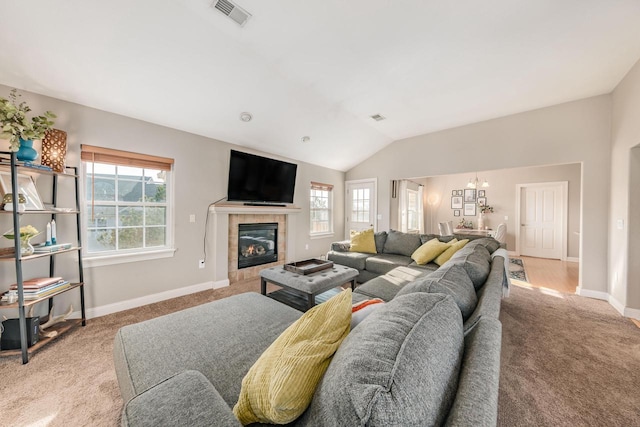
{"x": 342, "y": 246}
{"x": 186, "y": 399}
{"x": 476, "y": 402}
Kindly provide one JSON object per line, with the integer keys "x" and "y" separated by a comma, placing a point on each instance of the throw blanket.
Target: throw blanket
{"x": 506, "y": 281}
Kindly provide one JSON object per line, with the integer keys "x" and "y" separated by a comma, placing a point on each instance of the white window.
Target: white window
{"x": 127, "y": 207}
{"x": 321, "y": 208}
{"x": 412, "y": 211}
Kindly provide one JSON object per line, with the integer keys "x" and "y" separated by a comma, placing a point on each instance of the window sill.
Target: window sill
{"x": 103, "y": 260}
{"x": 321, "y": 235}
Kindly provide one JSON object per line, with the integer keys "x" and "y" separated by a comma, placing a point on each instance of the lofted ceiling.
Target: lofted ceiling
{"x": 318, "y": 69}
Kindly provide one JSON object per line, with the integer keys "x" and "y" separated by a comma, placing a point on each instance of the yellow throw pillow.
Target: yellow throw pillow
{"x": 279, "y": 386}
{"x": 446, "y": 255}
{"x": 429, "y": 251}
{"x": 363, "y": 242}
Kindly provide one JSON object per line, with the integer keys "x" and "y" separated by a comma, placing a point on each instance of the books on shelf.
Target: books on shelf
{"x": 42, "y": 248}
{"x": 36, "y": 288}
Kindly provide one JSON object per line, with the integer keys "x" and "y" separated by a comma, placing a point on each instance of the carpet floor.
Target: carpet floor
{"x": 566, "y": 360}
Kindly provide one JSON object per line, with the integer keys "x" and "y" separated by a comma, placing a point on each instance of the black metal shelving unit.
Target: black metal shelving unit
{"x": 10, "y": 162}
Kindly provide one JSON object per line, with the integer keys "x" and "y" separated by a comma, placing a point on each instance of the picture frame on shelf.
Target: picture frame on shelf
{"x": 469, "y": 195}
{"x": 456, "y": 212}
{"x": 26, "y": 186}
{"x": 482, "y": 201}
{"x": 481, "y": 193}
{"x": 456, "y": 202}
{"x": 470, "y": 209}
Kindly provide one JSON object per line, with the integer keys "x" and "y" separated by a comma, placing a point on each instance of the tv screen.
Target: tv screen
{"x": 259, "y": 179}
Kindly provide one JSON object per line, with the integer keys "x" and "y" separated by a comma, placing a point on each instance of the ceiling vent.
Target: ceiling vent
{"x": 233, "y": 11}
{"x": 378, "y": 117}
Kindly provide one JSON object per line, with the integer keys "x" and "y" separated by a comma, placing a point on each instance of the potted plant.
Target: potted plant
{"x": 17, "y": 127}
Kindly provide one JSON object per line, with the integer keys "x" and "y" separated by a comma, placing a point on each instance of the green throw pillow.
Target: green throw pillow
{"x": 364, "y": 242}
{"x": 429, "y": 251}
{"x": 446, "y": 255}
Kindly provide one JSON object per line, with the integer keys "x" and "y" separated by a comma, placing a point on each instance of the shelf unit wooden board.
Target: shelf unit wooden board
{"x": 28, "y": 303}
{"x": 61, "y": 328}
{"x": 12, "y": 258}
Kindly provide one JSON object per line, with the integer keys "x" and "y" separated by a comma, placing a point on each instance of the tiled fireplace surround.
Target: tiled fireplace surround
{"x": 226, "y": 217}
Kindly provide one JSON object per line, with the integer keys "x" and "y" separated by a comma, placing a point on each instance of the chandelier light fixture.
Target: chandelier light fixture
{"x": 475, "y": 183}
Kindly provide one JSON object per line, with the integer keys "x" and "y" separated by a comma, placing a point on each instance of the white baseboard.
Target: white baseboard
{"x": 573, "y": 259}
{"x": 592, "y": 294}
{"x": 616, "y": 304}
{"x": 150, "y": 299}
{"x": 634, "y": 313}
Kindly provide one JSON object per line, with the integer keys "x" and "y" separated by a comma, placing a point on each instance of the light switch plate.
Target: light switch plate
{"x": 620, "y": 224}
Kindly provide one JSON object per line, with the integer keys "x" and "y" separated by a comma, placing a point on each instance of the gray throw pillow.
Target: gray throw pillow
{"x": 452, "y": 280}
{"x": 401, "y": 243}
{"x": 489, "y": 243}
{"x": 380, "y": 237}
{"x": 399, "y": 368}
{"x": 476, "y": 261}
{"x": 424, "y": 238}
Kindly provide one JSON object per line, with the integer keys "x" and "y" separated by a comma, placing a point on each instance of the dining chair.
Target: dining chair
{"x": 446, "y": 228}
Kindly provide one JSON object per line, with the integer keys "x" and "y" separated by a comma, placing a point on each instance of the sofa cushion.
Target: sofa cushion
{"x": 350, "y": 259}
{"x": 424, "y": 238}
{"x": 429, "y": 251}
{"x": 398, "y": 368}
{"x": 279, "y": 386}
{"x": 384, "y": 263}
{"x": 380, "y": 238}
{"x": 431, "y": 266}
{"x": 489, "y": 243}
{"x": 450, "y": 280}
{"x": 476, "y": 261}
{"x": 383, "y": 287}
{"x": 448, "y": 253}
{"x": 401, "y": 243}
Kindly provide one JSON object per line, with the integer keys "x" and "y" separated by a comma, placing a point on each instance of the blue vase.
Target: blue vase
{"x": 26, "y": 153}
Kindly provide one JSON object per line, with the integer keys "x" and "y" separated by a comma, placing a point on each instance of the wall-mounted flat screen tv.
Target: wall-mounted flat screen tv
{"x": 259, "y": 179}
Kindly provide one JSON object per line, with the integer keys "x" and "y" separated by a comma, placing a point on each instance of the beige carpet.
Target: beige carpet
{"x": 566, "y": 361}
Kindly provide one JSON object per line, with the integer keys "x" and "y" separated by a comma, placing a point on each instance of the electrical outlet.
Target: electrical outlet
{"x": 306, "y": 247}
{"x": 192, "y": 218}
{"x": 201, "y": 263}
{"x": 506, "y": 218}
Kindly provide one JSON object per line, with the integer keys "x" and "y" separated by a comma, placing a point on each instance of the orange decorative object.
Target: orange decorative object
{"x": 54, "y": 149}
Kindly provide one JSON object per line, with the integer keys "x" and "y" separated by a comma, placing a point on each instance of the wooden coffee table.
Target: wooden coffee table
{"x": 300, "y": 290}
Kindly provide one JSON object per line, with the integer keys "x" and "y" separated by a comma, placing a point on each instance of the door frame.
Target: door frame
{"x": 347, "y": 202}
{"x": 564, "y": 214}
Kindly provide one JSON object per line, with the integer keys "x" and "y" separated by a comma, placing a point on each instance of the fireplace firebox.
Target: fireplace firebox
{"x": 257, "y": 244}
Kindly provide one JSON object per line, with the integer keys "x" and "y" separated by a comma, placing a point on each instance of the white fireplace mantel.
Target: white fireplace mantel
{"x": 220, "y": 232}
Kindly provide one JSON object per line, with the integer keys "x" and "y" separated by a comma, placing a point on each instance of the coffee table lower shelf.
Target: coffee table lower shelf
{"x": 298, "y": 300}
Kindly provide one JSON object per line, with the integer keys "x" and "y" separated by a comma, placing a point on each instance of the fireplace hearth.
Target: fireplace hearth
{"x": 257, "y": 244}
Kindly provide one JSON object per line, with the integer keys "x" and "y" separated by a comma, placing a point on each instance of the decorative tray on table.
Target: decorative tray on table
{"x": 308, "y": 266}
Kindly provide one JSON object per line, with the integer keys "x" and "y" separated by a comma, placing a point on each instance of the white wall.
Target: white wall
{"x": 200, "y": 177}
{"x": 574, "y": 132}
{"x": 624, "y": 244}
{"x": 501, "y": 195}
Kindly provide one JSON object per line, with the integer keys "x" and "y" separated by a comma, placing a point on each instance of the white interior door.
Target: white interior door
{"x": 360, "y": 205}
{"x": 543, "y": 220}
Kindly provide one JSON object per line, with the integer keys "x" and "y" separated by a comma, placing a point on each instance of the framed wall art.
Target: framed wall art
{"x": 481, "y": 193}
{"x": 456, "y": 212}
{"x": 469, "y": 209}
{"x": 456, "y": 202}
{"x": 482, "y": 201}
{"x": 469, "y": 195}
{"x": 26, "y": 186}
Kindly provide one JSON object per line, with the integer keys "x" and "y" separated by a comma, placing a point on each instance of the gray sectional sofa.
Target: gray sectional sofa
{"x": 429, "y": 356}
{"x": 393, "y": 249}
